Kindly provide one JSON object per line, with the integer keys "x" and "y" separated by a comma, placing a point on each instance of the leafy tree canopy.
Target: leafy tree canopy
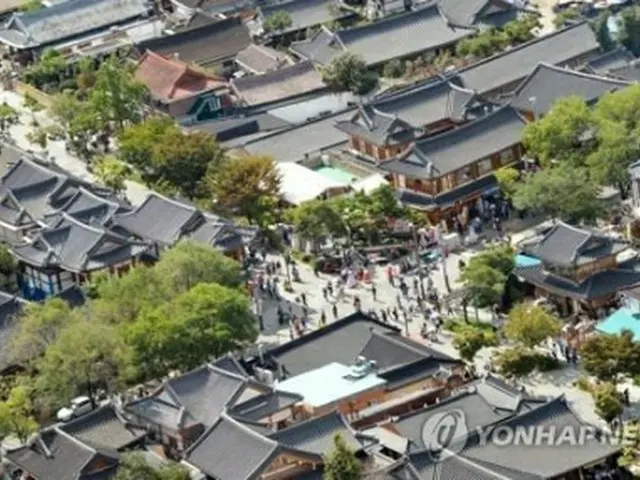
{"x": 608, "y": 402}
{"x": 111, "y": 172}
{"x": 563, "y": 192}
{"x": 469, "y": 340}
{"x": 277, "y": 22}
{"x": 342, "y": 464}
{"x": 485, "y": 276}
{"x": 349, "y": 72}
{"x": 530, "y": 325}
{"x": 135, "y": 467}
{"x": 248, "y": 186}
{"x": 16, "y": 413}
{"x": 611, "y": 357}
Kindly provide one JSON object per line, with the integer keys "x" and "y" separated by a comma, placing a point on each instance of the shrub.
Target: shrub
{"x": 69, "y": 84}
{"x": 393, "y": 69}
{"x": 584, "y": 384}
{"x": 520, "y": 362}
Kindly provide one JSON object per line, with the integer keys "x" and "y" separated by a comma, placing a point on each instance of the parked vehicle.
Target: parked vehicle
{"x": 79, "y": 406}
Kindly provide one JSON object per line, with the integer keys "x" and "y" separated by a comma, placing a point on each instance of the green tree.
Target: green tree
{"x": 247, "y": 186}
{"x": 31, "y": 6}
{"x": 349, "y": 72}
{"x": 8, "y": 116}
{"x": 135, "y": 467}
{"x": 611, "y": 357}
{"x": 507, "y": 178}
{"x": 116, "y": 97}
{"x": 514, "y": 362}
{"x": 629, "y": 33}
{"x": 566, "y": 17}
{"x": 111, "y": 172}
{"x": 485, "y": 276}
{"x": 341, "y": 463}
{"x": 558, "y": 136}
{"x": 136, "y": 142}
{"x": 38, "y": 328}
{"x": 16, "y": 413}
{"x": 190, "y": 263}
{"x": 469, "y": 340}
{"x": 207, "y": 321}
{"x": 277, "y": 22}
{"x": 316, "y": 220}
{"x": 563, "y": 192}
{"x": 530, "y": 325}
{"x": 393, "y": 69}
{"x": 86, "y": 355}
{"x": 48, "y": 69}
{"x": 608, "y": 402}
{"x": 522, "y": 30}
{"x": 600, "y": 27}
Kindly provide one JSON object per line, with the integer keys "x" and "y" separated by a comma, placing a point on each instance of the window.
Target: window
{"x": 506, "y": 157}
{"x": 484, "y": 166}
{"x": 464, "y": 175}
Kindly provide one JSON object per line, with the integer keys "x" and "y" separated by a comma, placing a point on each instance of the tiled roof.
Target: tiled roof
{"x": 170, "y": 79}
{"x": 226, "y": 129}
{"x": 450, "y": 197}
{"x": 567, "y": 245}
{"x": 87, "y": 207}
{"x": 394, "y": 37}
{"x": 10, "y": 307}
{"x": 292, "y": 144}
{"x": 179, "y": 218}
{"x": 260, "y": 59}
{"x": 206, "y": 45}
{"x": 56, "y": 455}
{"x": 68, "y": 19}
{"x": 544, "y": 460}
{"x": 196, "y": 397}
{"x": 315, "y": 436}
{"x": 306, "y": 13}
{"x": 276, "y": 85}
{"x": 457, "y": 148}
{"x": 104, "y": 429}
{"x": 230, "y": 450}
{"x": 319, "y": 48}
{"x": 262, "y": 406}
{"x": 340, "y": 341}
{"x": 616, "y": 58}
{"x": 629, "y": 72}
{"x": 377, "y": 126}
{"x": 77, "y": 247}
{"x": 230, "y": 364}
{"x": 548, "y": 83}
{"x": 557, "y": 48}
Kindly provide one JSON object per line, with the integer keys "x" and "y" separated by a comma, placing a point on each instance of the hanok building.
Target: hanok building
{"x": 450, "y": 173}
{"x": 305, "y": 14}
{"x": 616, "y": 58}
{"x": 289, "y": 82}
{"x": 548, "y": 83}
{"x": 261, "y": 59}
{"x": 499, "y": 75}
{"x": 231, "y": 450}
{"x": 179, "y": 221}
{"x": 577, "y": 269}
{"x": 489, "y": 409}
{"x": 69, "y": 20}
{"x": 67, "y": 252}
{"x": 31, "y": 191}
{"x": 209, "y": 45}
{"x": 176, "y": 88}
{"x": 397, "y": 37}
{"x": 375, "y": 371}
{"x": 384, "y": 128}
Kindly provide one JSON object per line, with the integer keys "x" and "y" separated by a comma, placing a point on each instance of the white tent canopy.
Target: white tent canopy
{"x": 300, "y": 183}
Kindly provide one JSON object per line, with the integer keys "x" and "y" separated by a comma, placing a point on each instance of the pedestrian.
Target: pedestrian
{"x": 303, "y": 297}
{"x": 330, "y": 287}
{"x": 356, "y": 303}
{"x": 325, "y": 293}
{"x": 394, "y": 312}
{"x": 374, "y": 291}
{"x": 385, "y": 319}
{"x": 323, "y": 318}
{"x": 334, "y": 309}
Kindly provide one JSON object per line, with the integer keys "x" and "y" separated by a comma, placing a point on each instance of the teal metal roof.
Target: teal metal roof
{"x": 526, "y": 261}
{"x": 622, "y": 319}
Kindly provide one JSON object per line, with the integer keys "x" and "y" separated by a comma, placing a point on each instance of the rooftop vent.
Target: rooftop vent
{"x": 361, "y": 368}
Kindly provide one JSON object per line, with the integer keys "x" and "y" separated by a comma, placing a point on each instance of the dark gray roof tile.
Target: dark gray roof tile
{"x": 557, "y": 48}
{"x": 260, "y": 59}
{"x": 262, "y": 406}
{"x": 472, "y": 12}
{"x": 548, "y": 83}
{"x": 68, "y": 19}
{"x": 104, "y": 429}
{"x": 305, "y": 13}
{"x": 206, "y": 45}
{"x": 457, "y": 148}
{"x": 315, "y": 436}
{"x": 279, "y": 84}
{"x": 230, "y": 450}
{"x": 616, "y": 58}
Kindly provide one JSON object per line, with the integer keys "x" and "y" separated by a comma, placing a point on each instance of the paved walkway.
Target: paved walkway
{"x": 55, "y": 150}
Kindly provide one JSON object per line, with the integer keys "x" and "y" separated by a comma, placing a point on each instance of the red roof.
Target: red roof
{"x": 171, "y": 79}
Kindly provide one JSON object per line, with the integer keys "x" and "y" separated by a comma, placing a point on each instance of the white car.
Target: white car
{"x": 78, "y": 406}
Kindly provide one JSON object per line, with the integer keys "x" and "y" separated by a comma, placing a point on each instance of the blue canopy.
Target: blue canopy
{"x": 526, "y": 261}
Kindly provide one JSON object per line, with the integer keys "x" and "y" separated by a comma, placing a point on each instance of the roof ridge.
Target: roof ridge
{"x": 504, "y": 53}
